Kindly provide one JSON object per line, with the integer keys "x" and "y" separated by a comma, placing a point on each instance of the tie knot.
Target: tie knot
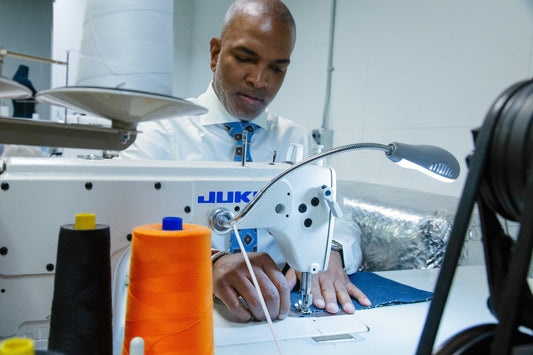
{"x": 235, "y": 129}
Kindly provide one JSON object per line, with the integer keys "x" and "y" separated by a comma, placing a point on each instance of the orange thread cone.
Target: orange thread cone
{"x": 170, "y": 302}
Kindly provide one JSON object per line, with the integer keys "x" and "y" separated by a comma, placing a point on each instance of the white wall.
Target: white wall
{"x": 206, "y": 18}
{"x": 414, "y": 71}
{"x": 422, "y": 72}
{"x": 183, "y": 41}
{"x": 302, "y": 96}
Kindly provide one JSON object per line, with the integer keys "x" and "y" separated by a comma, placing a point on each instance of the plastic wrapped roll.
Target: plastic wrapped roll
{"x": 404, "y": 229}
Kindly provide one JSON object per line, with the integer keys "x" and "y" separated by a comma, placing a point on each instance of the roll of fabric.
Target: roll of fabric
{"x": 170, "y": 302}
{"x": 127, "y": 44}
{"x": 81, "y": 321}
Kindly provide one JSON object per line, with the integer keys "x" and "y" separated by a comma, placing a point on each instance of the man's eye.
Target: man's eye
{"x": 243, "y": 59}
{"x": 277, "y": 69}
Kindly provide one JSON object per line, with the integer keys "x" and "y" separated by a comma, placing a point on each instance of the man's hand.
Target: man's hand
{"x": 232, "y": 279}
{"x": 331, "y": 287}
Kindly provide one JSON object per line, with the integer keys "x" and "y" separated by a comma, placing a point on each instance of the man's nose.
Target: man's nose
{"x": 257, "y": 77}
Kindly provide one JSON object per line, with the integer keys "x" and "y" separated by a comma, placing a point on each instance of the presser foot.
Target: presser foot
{"x": 303, "y": 307}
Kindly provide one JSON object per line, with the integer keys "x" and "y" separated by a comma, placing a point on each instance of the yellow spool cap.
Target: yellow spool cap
{"x": 85, "y": 221}
{"x": 17, "y": 346}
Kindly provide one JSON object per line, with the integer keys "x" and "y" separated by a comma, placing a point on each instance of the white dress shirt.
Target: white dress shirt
{"x": 204, "y": 137}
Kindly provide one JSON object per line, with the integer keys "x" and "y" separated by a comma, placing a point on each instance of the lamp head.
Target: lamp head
{"x": 430, "y": 160}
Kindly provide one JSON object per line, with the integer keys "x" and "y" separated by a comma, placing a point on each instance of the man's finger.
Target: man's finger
{"x": 231, "y": 299}
{"x": 344, "y": 298}
{"x": 318, "y": 299}
{"x": 358, "y": 295}
{"x": 324, "y": 292}
{"x": 330, "y": 296}
{"x": 291, "y": 278}
{"x": 283, "y": 293}
{"x": 269, "y": 291}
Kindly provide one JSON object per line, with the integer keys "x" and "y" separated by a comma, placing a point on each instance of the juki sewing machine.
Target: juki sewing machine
{"x": 41, "y": 194}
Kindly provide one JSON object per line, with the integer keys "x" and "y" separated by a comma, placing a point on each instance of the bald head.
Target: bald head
{"x": 274, "y": 9}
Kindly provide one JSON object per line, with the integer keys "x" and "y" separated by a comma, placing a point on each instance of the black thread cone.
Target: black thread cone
{"x": 81, "y": 307}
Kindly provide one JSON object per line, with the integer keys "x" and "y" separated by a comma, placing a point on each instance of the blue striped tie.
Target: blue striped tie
{"x": 235, "y": 129}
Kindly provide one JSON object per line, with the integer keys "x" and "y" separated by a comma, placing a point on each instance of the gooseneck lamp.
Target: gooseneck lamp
{"x": 434, "y": 161}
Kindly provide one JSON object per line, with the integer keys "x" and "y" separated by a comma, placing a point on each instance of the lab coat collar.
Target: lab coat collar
{"x": 217, "y": 112}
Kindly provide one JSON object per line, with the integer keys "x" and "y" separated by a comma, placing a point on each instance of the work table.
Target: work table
{"x": 385, "y": 330}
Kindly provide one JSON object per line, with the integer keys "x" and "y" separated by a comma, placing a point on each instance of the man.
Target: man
{"x": 249, "y": 62}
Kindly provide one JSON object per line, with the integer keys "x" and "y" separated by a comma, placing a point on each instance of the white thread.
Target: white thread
{"x": 258, "y": 289}
{"x": 125, "y": 44}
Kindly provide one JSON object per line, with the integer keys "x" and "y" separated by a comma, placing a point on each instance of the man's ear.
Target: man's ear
{"x": 215, "y": 47}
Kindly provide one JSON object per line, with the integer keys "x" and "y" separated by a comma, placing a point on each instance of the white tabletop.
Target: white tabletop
{"x": 385, "y": 330}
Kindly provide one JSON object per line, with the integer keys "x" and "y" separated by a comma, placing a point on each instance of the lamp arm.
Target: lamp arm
{"x": 388, "y": 149}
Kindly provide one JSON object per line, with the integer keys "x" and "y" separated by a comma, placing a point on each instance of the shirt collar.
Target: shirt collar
{"x": 217, "y": 113}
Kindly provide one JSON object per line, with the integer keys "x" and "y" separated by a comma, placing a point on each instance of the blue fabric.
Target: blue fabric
{"x": 235, "y": 129}
{"x": 380, "y": 291}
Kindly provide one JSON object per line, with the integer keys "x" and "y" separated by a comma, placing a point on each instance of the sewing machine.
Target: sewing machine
{"x": 41, "y": 194}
